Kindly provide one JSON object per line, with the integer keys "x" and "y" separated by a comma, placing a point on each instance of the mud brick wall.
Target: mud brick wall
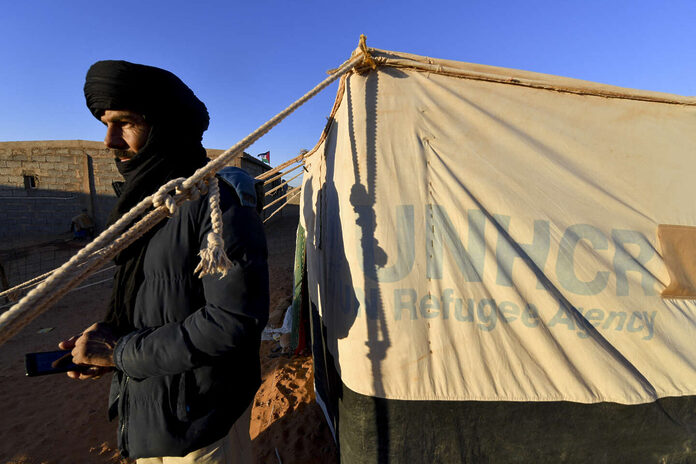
{"x": 68, "y": 176}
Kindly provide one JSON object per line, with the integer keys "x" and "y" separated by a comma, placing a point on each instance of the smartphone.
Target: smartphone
{"x": 50, "y": 362}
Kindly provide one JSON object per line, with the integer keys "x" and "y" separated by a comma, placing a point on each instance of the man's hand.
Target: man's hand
{"x": 94, "y": 348}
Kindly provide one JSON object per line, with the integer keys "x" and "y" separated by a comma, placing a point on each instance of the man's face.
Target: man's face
{"x": 126, "y": 132}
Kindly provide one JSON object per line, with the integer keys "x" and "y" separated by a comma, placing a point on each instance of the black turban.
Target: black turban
{"x": 177, "y": 120}
{"x": 155, "y": 93}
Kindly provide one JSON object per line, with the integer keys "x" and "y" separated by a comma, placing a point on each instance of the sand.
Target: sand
{"x": 53, "y": 419}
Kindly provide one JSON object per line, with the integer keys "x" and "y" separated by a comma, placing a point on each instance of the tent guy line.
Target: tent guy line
{"x": 116, "y": 237}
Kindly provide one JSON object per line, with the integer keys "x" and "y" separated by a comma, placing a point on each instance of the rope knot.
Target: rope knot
{"x": 202, "y": 186}
{"x": 163, "y": 197}
{"x": 194, "y": 191}
{"x": 368, "y": 61}
{"x": 214, "y": 260}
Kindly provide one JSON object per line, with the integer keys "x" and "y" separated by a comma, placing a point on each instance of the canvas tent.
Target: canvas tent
{"x": 484, "y": 274}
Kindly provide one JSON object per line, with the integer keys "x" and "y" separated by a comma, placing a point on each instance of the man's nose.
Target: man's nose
{"x": 114, "y": 138}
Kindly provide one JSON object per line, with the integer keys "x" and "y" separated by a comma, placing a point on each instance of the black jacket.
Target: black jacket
{"x": 192, "y": 365}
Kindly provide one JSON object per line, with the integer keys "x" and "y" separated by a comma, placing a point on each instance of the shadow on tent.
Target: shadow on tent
{"x": 337, "y": 400}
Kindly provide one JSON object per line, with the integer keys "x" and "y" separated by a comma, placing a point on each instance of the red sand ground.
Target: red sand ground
{"x": 53, "y": 419}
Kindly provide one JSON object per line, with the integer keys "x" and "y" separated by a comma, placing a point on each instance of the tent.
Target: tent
{"x": 500, "y": 267}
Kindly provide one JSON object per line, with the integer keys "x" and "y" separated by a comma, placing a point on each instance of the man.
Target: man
{"x": 82, "y": 225}
{"x": 184, "y": 350}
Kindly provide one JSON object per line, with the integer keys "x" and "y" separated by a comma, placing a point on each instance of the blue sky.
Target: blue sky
{"x": 249, "y": 60}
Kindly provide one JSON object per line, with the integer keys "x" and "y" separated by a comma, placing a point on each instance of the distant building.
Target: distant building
{"x": 250, "y": 164}
{"x": 44, "y": 184}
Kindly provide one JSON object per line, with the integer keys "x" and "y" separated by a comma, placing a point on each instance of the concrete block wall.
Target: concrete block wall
{"x": 69, "y": 176}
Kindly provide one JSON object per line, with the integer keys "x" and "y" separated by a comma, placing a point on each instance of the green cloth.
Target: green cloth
{"x": 299, "y": 275}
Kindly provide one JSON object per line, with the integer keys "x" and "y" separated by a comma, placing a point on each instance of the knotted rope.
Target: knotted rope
{"x": 213, "y": 257}
{"x": 368, "y": 60}
{"x": 114, "y": 239}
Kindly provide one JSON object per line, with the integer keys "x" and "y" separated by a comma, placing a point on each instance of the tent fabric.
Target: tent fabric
{"x": 483, "y": 234}
{"x": 396, "y": 431}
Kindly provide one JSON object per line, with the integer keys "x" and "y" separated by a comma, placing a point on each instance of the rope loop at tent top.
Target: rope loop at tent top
{"x": 368, "y": 61}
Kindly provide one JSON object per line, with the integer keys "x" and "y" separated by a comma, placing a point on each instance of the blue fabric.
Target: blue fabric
{"x": 241, "y": 182}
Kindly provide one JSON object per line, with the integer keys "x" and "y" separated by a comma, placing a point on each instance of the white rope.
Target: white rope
{"x": 114, "y": 239}
{"x": 226, "y": 156}
{"x": 81, "y": 287}
{"x": 579, "y": 88}
{"x": 10, "y": 292}
{"x": 213, "y": 257}
{"x": 279, "y": 175}
{"x": 290, "y": 192}
{"x": 271, "y": 191}
{"x": 297, "y": 192}
{"x": 264, "y": 176}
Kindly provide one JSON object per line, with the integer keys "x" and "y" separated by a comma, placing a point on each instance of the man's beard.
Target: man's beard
{"x": 123, "y": 155}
